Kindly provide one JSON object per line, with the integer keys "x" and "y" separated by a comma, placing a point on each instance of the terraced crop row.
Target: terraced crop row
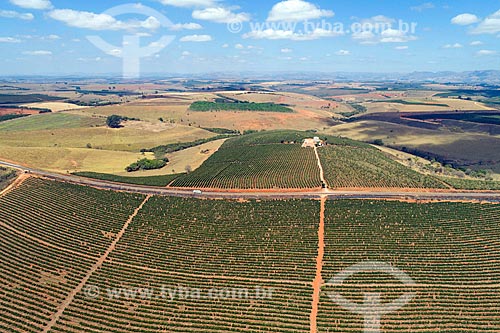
{"x": 256, "y": 167}
{"x": 50, "y": 235}
{"x": 186, "y": 305}
{"x": 268, "y": 239}
{"x": 450, "y": 250}
{"x": 472, "y": 184}
{"x": 358, "y": 167}
{"x": 205, "y": 245}
{"x": 176, "y": 251}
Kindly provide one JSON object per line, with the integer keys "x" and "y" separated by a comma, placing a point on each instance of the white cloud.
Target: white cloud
{"x": 52, "y": 37}
{"x": 424, "y": 6}
{"x": 33, "y": 4}
{"x": 225, "y": 46}
{"x": 186, "y": 26}
{"x": 286, "y": 50}
{"x": 465, "y": 19}
{"x": 220, "y": 15}
{"x": 490, "y": 25}
{"x": 186, "y": 53}
{"x": 9, "y": 40}
{"x": 196, "y": 38}
{"x": 88, "y": 20}
{"x": 239, "y": 47}
{"x": 297, "y": 10}
{"x": 276, "y": 34}
{"x": 401, "y": 48}
{"x": 476, "y": 43}
{"x": 114, "y": 52}
{"x": 364, "y": 37}
{"x": 13, "y": 14}
{"x": 38, "y": 53}
{"x": 343, "y": 53}
{"x": 189, "y": 3}
{"x": 453, "y": 46}
{"x": 395, "y": 36}
{"x": 378, "y": 29}
{"x": 486, "y": 53}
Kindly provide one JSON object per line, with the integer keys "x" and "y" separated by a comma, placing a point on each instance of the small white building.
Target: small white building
{"x": 311, "y": 143}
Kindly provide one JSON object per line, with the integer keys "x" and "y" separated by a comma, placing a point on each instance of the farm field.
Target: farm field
{"x": 256, "y": 167}
{"x": 358, "y": 167}
{"x": 51, "y": 234}
{"x": 159, "y": 181}
{"x": 54, "y": 106}
{"x": 67, "y": 160}
{"x": 471, "y": 184}
{"x": 192, "y": 157}
{"x": 418, "y": 105}
{"x": 450, "y": 250}
{"x": 175, "y": 109}
{"x": 269, "y": 239}
{"x": 101, "y": 138}
{"x": 50, "y": 121}
{"x": 65, "y": 142}
{"x": 269, "y": 245}
{"x": 459, "y": 148}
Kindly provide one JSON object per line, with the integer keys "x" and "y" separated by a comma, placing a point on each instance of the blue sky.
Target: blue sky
{"x": 50, "y": 36}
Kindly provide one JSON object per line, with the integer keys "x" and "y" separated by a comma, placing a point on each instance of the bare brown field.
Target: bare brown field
{"x": 175, "y": 109}
{"x": 54, "y": 106}
{"x": 5, "y": 111}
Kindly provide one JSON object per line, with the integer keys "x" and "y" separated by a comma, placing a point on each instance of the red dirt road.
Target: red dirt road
{"x": 318, "y": 281}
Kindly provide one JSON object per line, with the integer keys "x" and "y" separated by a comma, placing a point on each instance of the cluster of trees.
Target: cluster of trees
{"x": 6, "y": 175}
{"x": 222, "y": 131}
{"x": 147, "y": 164}
{"x": 115, "y": 121}
{"x": 11, "y": 116}
{"x": 241, "y": 106}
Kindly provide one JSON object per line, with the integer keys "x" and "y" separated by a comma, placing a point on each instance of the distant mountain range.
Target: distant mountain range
{"x": 486, "y": 77}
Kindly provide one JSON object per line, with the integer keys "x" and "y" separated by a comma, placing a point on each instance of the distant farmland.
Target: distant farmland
{"x": 239, "y": 106}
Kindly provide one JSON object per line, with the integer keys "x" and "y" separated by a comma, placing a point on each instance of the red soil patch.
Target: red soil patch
{"x": 5, "y": 111}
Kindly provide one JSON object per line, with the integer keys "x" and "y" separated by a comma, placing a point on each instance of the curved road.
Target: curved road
{"x": 312, "y": 194}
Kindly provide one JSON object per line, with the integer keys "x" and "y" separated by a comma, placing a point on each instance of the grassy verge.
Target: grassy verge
{"x": 160, "y": 181}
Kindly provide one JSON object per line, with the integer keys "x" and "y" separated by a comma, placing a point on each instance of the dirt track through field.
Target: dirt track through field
{"x": 318, "y": 281}
{"x": 321, "y": 172}
{"x": 16, "y": 183}
{"x": 69, "y": 299}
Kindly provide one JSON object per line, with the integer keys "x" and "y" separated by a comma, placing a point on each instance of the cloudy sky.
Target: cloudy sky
{"x": 197, "y": 36}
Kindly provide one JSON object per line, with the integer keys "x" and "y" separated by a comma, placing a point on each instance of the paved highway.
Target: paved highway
{"x": 312, "y": 194}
